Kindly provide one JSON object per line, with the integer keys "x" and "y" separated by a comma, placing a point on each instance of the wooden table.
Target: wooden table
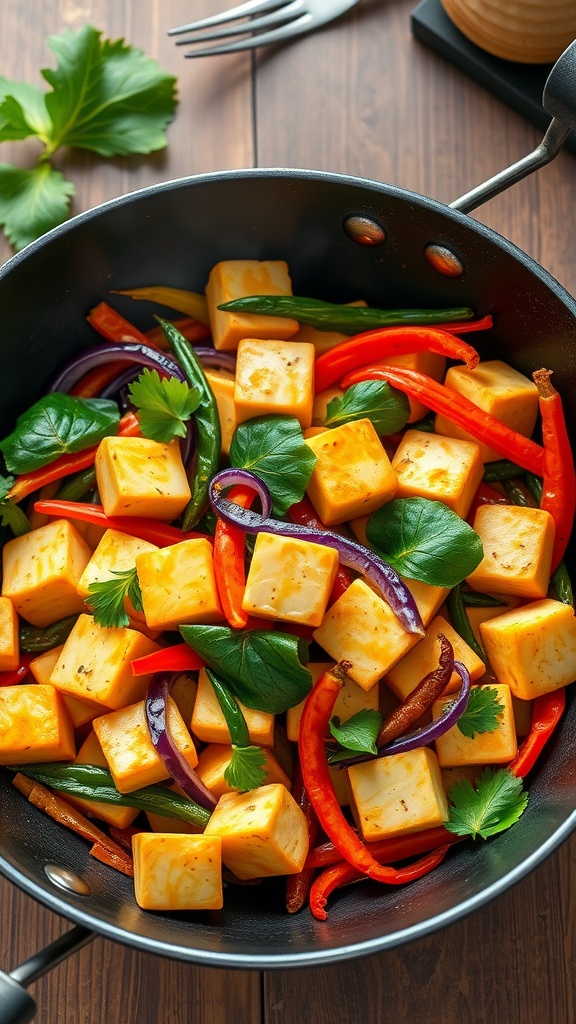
{"x": 361, "y": 96}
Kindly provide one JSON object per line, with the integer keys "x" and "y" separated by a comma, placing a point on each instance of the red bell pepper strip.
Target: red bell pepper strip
{"x": 93, "y": 382}
{"x": 546, "y": 713}
{"x": 179, "y": 658}
{"x": 484, "y": 323}
{"x": 304, "y": 513}
{"x": 114, "y": 327}
{"x": 559, "y": 479}
{"x": 298, "y": 885}
{"x": 153, "y": 530}
{"x": 17, "y": 675}
{"x": 388, "y": 341}
{"x": 229, "y": 559}
{"x": 388, "y": 850}
{"x": 509, "y": 443}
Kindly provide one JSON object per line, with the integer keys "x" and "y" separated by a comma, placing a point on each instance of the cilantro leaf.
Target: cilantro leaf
{"x": 106, "y": 598}
{"x": 359, "y": 732}
{"x": 164, "y": 405}
{"x": 32, "y": 202}
{"x": 57, "y": 424}
{"x": 246, "y": 769}
{"x": 481, "y": 713}
{"x": 273, "y": 447}
{"x": 375, "y": 400}
{"x": 495, "y": 803}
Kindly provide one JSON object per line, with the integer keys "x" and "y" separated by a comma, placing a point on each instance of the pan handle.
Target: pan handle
{"x": 16, "y": 1005}
{"x": 559, "y": 100}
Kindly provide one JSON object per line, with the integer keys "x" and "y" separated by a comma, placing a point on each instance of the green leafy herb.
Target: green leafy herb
{"x": 107, "y": 598}
{"x": 424, "y": 540}
{"x": 246, "y": 769}
{"x": 482, "y": 713}
{"x": 261, "y": 667}
{"x": 359, "y": 732}
{"x": 55, "y": 425}
{"x": 164, "y": 405}
{"x": 273, "y": 447}
{"x": 387, "y": 408}
{"x": 11, "y": 515}
{"x": 104, "y": 96}
{"x": 492, "y": 805}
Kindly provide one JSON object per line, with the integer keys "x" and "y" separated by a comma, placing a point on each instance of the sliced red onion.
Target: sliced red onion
{"x": 127, "y": 351}
{"x": 127, "y": 377}
{"x": 176, "y": 765}
{"x": 351, "y": 554}
{"x": 212, "y": 357}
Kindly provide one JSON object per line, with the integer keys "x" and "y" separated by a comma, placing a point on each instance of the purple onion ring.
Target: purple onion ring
{"x": 128, "y": 351}
{"x": 213, "y": 357}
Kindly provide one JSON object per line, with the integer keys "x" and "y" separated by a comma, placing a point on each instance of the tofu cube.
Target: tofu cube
{"x": 9, "y": 636}
{"x": 178, "y": 584}
{"x": 532, "y": 648}
{"x": 497, "y": 389}
{"x": 351, "y": 699}
{"x": 214, "y": 760}
{"x": 234, "y": 279}
{"x": 94, "y": 664}
{"x": 81, "y": 712}
{"x": 209, "y": 725}
{"x": 34, "y": 725}
{"x": 360, "y": 627}
{"x": 263, "y": 832}
{"x": 517, "y": 544}
{"x": 114, "y": 814}
{"x": 165, "y": 823}
{"x": 130, "y": 754}
{"x": 477, "y": 615}
{"x": 140, "y": 477}
{"x": 183, "y": 692}
{"x": 41, "y": 572}
{"x": 116, "y": 552}
{"x": 398, "y": 794}
{"x": 423, "y": 658}
{"x": 352, "y": 476}
{"x": 438, "y": 468}
{"x": 497, "y": 747}
{"x": 274, "y": 377}
{"x": 177, "y": 872}
{"x": 430, "y": 364}
{"x": 341, "y": 786}
{"x": 290, "y": 579}
{"x": 222, "y": 384}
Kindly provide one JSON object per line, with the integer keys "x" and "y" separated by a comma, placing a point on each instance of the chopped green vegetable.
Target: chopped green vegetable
{"x": 246, "y": 769}
{"x": 492, "y": 805}
{"x": 273, "y": 447}
{"x": 376, "y": 400}
{"x": 164, "y": 405}
{"x": 359, "y": 732}
{"x": 106, "y": 598}
{"x": 482, "y": 712}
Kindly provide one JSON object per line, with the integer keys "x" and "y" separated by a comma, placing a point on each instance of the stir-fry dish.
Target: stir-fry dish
{"x": 283, "y": 590}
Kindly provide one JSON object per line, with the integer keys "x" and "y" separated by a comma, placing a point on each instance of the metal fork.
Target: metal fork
{"x": 286, "y": 18}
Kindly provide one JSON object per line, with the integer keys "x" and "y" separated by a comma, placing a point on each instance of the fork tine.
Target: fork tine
{"x": 242, "y": 11}
{"x": 276, "y": 35}
{"x": 286, "y": 13}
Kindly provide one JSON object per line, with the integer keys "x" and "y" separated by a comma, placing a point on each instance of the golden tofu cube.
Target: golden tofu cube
{"x": 398, "y": 794}
{"x": 532, "y": 648}
{"x": 497, "y": 747}
{"x": 114, "y": 814}
{"x": 234, "y": 279}
{"x": 41, "y": 572}
{"x": 477, "y": 615}
{"x": 429, "y": 363}
{"x": 116, "y": 552}
{"x": 497, "y": 389}
{"x": 178, "y": 584}
{"x": 274, "y": 377}
{"x": 438, "y": 468}
{"x": 94, "y": 664}
{"x": 130, "y": 754}
{"x": 34, "y": 725}
{"x": 341, "y": 785}
{"x": 183, "y": 692}
{"x": 81, "y": 711}
{"x": 222, "y": 384}
{"x": 177, "y": 872}
{"x": 140, "y": 477}
{"x": 517, "y": 544}
{"x": 290, "y": 579}
{"x": 209, "y": 725}
{"x": 214, "y": 760}
{"x": 263, "y": 832}
{"x": 351, "y": 699}
{"x": 353, "y": 476}
{"x": 360, "y": 627}
{"x": 9, "y": 636}
{"x": 423, "y": 658}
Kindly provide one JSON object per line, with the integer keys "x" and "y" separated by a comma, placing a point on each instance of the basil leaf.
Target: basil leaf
{"x": 55, "y": 425}
{"x": 424, "y": 540}
{"x": 359, "y": 732}
{"x": 387, "y": 408}
{"x": 261, "y": 667}
{"x": 273, "y": 447}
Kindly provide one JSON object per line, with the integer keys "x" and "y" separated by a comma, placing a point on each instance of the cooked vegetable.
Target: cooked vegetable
{"x": 387, "y": 410}
{"x": 246, "y": 769}
{"x": 272, "y": 447}
{"x": 559, "y": 484}
{"x": 164, "y": 405}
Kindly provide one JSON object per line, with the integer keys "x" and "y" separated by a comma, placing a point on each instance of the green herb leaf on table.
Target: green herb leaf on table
{"x": 262, "y": 667}
{"x": 425, "y": 540}
{"x": 274, "y": 448}
{"x": 491, "y": 806}
{"x": 32, "y": 202}
{"x": 164, "y": 405}
{"x": 358, "y": 732}
{"x": 107, "y": 598}
{"x": 246, "y": 769}
{"x": 55, "y": 425}
{"x": 387, "y": 408}
{"x": 482, "y": 713}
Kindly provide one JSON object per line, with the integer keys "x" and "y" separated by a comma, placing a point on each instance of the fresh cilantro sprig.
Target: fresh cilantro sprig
{"x": 482, "y": 713}
{"x": 164, "y": 405}
{"x": 247, "y": 768}
{"x": 357, "y": 733}
{"x": 491, "y": 806}
{"x": 107, "y": 598}
{"x": 104, "y": 96}
{"x": 11, "y": 515}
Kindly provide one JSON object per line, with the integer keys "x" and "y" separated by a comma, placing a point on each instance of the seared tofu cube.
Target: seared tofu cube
{"x": 360, "y": 627}
{"x": 532, "y": 648}
{"x": 114, "y": 814}
{"x": 222, "y": 384}
{"x": 177, "y": 872}
{"x": 438, "y": 468}
{"x": 263, "y": 832}
{"x": 234, "y": 279}
{"x": 429, "y": 363}
{"x": 517, "y": 545}
{"x": 499, "y": 746}
{"x": 209, "y": 724}
{"x": 116, "y": 552}
{"x": 214, "y": 760}
{"x": 81, "y": 711}
{"x": 477, "y": 615}
{"x": 9, "y": 636}
{"x": 497, "y": 389}
{"x": 274, "y": 377}
{"x": 34, "y": 725}
{"x": 140, "y": 477}
{"x": 94, "y": 664}
{"x": 41, "y": 572}
{"x": 351, "y": 699}
{"x": 398, "y": 794}
{"x": 130, "y": 754}
{"x": 352, "y": 476}
{"x": 290, "y": 579}
{"x": 423, "y": 658}
{"x": 178, "y": 584}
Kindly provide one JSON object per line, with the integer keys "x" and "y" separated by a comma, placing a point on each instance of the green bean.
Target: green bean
{"x": 503, "y": 469}
{"x": 461, "y": 622}
{"x": 34, "y": 640}
{"x": 473, "y": 599}
{"x": 77, "y": 486}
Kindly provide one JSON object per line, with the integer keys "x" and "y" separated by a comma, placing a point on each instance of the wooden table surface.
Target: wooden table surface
{"x": 360, "y": 96}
